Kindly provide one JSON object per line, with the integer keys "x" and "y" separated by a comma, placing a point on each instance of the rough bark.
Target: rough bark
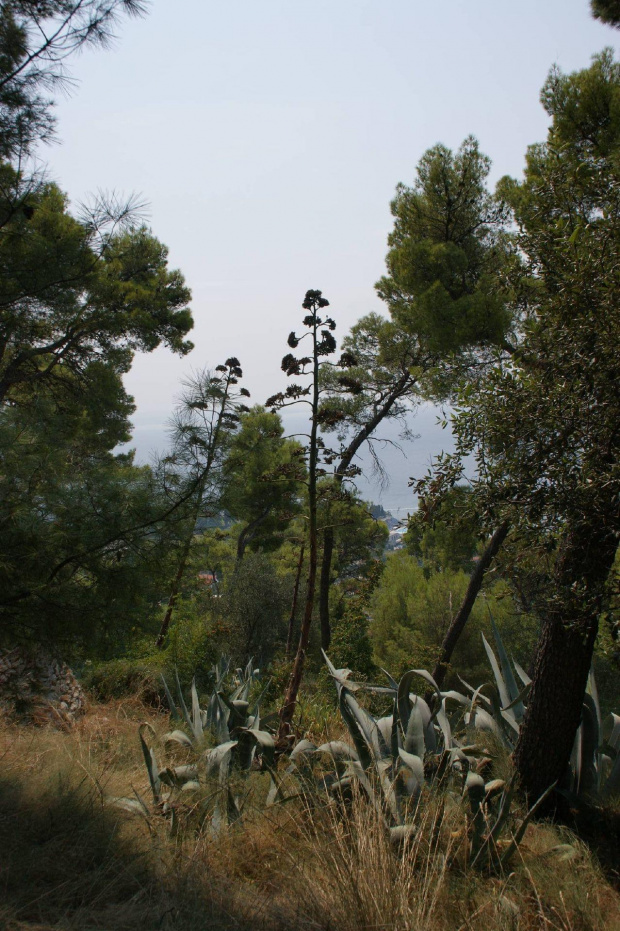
{"x": 475, "y": 584}
{"x": 564, "y": 656}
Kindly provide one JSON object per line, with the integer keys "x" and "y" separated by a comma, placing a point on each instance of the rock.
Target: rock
{"x": 38, "y": 687}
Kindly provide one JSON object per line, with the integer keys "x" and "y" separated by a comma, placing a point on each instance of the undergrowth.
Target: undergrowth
{"x": 71, "y": 862}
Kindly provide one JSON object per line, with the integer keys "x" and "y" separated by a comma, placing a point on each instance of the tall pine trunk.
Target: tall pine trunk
{"x": 564, "y": 656}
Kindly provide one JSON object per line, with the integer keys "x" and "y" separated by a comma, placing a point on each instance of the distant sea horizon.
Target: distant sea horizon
{"x": 401, "y": 459}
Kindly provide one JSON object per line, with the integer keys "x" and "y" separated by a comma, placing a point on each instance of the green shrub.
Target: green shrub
{"x": 121, "y": 678}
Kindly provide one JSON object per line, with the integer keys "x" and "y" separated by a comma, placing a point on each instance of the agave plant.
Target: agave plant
{"x": 397, "y": 760}
{"x": 217, "y": 772}
{"x": 594, "y": 767}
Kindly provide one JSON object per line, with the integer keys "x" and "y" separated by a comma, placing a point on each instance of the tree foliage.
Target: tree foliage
{"x": 608, "y": 11}
{"x": 412, "y": 610}
{"x": 261, "y": 480}
{"x": 542, "y": 420}
{"x": 36, "y": 40}
{"x": 445, "y": 249}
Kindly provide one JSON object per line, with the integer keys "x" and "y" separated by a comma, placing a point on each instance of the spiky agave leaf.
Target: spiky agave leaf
{"x": 179, "y": 737}
{"x": 514, "y": 691}
{"x": 174, "y": 714}
{"x": 611, "y": 738}
{"x": 197, "y": 726}
{"x": 150, "y": 761}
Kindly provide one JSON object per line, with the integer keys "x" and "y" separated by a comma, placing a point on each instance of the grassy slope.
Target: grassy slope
{"x": 69, "y": 862}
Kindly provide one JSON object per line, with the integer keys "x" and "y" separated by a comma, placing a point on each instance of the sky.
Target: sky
{"x": 267, "y": 138}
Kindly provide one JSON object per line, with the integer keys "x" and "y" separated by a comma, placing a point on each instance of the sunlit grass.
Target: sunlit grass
{"x": 70, "y": 861}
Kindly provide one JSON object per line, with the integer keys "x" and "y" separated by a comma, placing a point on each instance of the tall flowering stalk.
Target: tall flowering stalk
{"x": 319, "y": 331}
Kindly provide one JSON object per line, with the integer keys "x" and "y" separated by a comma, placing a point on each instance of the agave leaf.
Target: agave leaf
{"x": 256, "y": 704}
{"x": 129, "y": 804}
{"x": 174, "y": 714}
{"x": 523, "y": 694}
{"x": 220, "y": 671}
{"x": 395, "y": 741}
{"x": 476, "y": 693}
{"x": 494, "y": 787}
{"x": 177, "y": 737}
{"x": 186, "y": 715}
{"x": 390, "y": 678}
{"x": 237, "y": 713}
{"x": 415, "y": 764}
{"x": 234, "y": 807}
{"x": 593, "y": 691}
{"x": 196, "y": 715}
{"x": 384, "y": 736}
{"x": 590, "y": 740}
{"x": 215, "y": 757}
{"x": 341, "y": 677}
{"x": 302, "y": 748}
{"x": 362, "y": 744}
{"x": 428, "y": 678}
{"x": 246, "y": 750}
{"x": 365, "y": 722}
{"x": 265, "y": 741}
{"x": 611, "y": 737}
{"x": 237, "y": 693}
{"x": 562, "y": 852}
{"x": 223, "y": 716}
{"x": 504, "y": 720}
{"x": 414, "y": 737}
{"x": 525, "y": 679}
{"x": 384, "y": 768}
{"x": 355, "y": 769}
{"x": 513, "y": 690}
{"x": 611, "y": 731}
{"x": 504, "y": 810}
{"x": 483, "y": 721}
{"x": 151, "y": 762}
{"x": 444, "y": 726}
{"x": 404, "y": 699}
{"x": 339, "y": 750}
{"x": 499, "y": 679}
{"x": 177, "y": 776}
{"x": 456, "y": 696}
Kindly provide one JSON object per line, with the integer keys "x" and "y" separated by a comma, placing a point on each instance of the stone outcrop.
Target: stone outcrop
{"x": 39, "y": 688}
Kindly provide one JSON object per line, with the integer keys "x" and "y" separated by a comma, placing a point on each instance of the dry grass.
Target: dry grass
{"x": 71, "y": 863}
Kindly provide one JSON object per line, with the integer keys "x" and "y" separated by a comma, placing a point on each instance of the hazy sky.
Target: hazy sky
{"x": 267, "y": 137}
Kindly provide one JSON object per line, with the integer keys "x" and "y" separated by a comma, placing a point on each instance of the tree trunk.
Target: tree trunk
{"x": 475, "y": 584}
{"x": 326, "y": 565}
{"x": 290, "y": 699}
{"x": 174, "y": 590}
{"x": 248, "y": 533}
{"x": 291, "y": 620}
{"x": 564, "y": 656}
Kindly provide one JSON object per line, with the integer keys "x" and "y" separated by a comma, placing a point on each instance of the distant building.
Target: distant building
{"x": 208, "y": 578}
